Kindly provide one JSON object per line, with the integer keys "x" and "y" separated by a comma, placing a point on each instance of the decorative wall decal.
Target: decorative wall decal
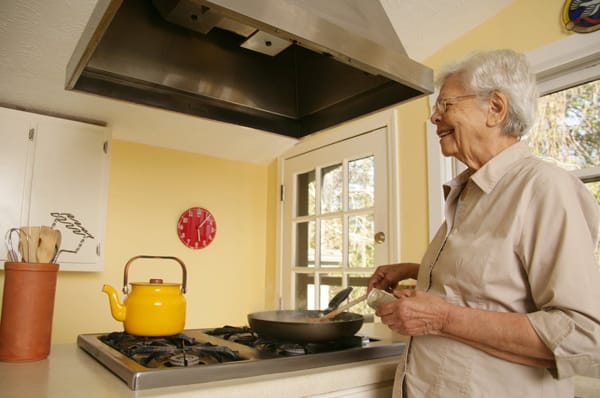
{"x": 581, "y": 16}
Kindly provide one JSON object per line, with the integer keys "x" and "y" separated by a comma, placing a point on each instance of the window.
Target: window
{"x": 568, "y": 133}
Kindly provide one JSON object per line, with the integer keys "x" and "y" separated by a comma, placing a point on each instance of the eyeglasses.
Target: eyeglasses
{"x": 441, "y": 104}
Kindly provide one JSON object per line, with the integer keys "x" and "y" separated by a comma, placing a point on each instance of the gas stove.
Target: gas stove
{"x": 205, "y": 355}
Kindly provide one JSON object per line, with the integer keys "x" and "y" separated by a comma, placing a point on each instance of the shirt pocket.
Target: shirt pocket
{"x": 471, "y": 278}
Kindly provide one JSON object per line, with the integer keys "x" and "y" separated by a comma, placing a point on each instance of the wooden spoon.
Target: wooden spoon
{"x": 340, "y": 309}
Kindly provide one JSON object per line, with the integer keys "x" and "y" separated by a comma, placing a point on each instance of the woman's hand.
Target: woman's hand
{"x": 415, "y": 313}
{"x": 386, "y": 277}
{"x": 505, "y": 335}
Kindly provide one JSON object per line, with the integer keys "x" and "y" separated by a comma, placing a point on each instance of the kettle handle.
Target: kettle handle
{"x": 183, "y": 269}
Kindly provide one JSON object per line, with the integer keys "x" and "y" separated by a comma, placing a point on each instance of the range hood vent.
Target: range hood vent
{"x": 291, "y": 67}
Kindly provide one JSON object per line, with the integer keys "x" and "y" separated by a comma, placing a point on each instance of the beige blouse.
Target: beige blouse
{"x": 521, "y": 238}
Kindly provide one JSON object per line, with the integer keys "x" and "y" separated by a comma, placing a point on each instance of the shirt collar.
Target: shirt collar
{"x": 491, "y": 172}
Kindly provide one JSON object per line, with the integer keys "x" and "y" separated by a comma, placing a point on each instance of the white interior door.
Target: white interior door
{"x": 335, "y": 219}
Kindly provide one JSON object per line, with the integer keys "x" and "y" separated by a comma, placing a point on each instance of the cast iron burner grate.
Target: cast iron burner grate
{"x": 168, "y": 351}
{"x": 243, "y": 335}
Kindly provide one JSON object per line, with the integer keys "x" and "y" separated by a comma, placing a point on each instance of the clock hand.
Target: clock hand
{"x": 200, "y": 226}
{"x": 203, "y": 221}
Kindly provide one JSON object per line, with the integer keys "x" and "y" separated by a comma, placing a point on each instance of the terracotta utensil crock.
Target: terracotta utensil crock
{"x": 27, "y": 310}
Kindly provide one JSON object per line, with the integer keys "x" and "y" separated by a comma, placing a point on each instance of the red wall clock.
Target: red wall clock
{"x": 196, "y": 227}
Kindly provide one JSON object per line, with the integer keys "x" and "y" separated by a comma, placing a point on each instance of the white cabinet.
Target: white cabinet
{"x": 14, "y": 152}
{"x": 48, "y": 165}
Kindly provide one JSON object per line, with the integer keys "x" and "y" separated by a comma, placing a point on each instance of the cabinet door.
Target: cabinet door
{"x": 70, "y": 175}
{"x": 14, "y": 159}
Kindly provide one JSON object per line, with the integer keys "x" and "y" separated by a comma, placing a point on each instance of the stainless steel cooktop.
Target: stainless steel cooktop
{"x": 249, "y": 360}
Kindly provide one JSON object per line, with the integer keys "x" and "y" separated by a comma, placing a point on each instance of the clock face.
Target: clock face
{"x": 196, "y": 228}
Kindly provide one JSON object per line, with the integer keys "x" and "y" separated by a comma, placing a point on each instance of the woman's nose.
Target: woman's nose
{"x": 435, "y": 116}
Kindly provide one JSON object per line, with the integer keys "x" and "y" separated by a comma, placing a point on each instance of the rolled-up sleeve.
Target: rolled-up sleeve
{"x": 572, "y": 338}
{"x": 557, "y": 250}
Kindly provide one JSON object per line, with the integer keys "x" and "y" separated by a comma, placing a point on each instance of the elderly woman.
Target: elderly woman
{"x": 507, "y": 302}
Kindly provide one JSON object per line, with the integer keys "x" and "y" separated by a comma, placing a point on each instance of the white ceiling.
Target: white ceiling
{"x": 37, "y": 38}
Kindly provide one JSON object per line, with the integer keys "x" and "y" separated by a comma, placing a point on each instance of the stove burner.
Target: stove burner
{"x": 185, "y": 360}
{"x": 292, "y": 349}
{"x": 166, "y": 351}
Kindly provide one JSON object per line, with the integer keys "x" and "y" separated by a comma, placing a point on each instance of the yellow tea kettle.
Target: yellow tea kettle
{"x": 152, "y": 308}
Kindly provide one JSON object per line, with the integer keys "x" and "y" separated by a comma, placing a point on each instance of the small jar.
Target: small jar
{"x": 379, "y": 297}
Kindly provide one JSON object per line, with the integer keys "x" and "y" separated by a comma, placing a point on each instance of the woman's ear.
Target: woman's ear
{"x": 497, "y": 110}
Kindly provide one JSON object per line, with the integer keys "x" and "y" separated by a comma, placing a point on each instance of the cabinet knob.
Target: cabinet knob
{"x": 379, "y": 237}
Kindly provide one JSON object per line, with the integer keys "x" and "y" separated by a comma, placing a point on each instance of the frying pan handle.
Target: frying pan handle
{"x": 183, "y": 269}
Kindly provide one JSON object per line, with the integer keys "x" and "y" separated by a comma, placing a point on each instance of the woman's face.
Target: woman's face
{"x": 462, "y": 126}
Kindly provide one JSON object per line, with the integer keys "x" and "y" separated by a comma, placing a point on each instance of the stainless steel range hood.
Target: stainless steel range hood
{"x": 291, "y": 67}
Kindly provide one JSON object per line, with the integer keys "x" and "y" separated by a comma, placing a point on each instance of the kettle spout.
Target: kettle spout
{"x": 117, "y": 310}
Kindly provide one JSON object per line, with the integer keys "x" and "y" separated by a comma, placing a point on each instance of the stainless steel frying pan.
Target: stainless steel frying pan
{"x": 300, "y": 325}
{"x": 294, "y": 325}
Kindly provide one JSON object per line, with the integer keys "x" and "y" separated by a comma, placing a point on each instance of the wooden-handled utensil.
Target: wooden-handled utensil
{"x": 341, "y": 308}
{"x": 47, "y": 247}
{"x": 29, "y": 239}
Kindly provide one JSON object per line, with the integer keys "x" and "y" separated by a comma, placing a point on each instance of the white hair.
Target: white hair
{"x": 505, "y": 71}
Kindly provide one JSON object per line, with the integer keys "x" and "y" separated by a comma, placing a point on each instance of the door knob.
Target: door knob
{"x": 379, "y": 237}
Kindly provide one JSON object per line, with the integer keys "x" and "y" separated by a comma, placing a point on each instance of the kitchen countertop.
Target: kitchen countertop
{"x": 71, "y": 372}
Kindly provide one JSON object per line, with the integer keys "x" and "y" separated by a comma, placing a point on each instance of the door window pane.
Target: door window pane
{"x": 331, "y": 188}
{"x": 361, "y": 247}
{"x": 361, "y": 183}
{"x": 331, "y": 242}
{"x": 330, "y": 285}
{"x": 305, "y": 244}
{"x": 305, "y": 291}
{"x": 305, "y": 194}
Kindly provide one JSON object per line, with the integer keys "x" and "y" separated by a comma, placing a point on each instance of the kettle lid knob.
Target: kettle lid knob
{"x": 156, "y": 281}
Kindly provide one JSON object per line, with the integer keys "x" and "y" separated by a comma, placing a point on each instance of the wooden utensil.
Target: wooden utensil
{"x": 29, "y": 239}
{"x": 58, "y": 243}
{"x": 341, "y": 309}
{"x": 47, "y": 244}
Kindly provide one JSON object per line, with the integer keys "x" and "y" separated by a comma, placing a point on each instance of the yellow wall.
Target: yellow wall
{"x": 149, "y": 187}
{"x": 522, "y": 26}
{"x": 412, "y": 163}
